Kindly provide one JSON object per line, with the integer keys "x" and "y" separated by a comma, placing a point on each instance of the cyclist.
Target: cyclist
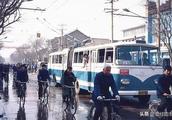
{"x": 68, "y": 79}
{"x": 22, "y": 76}
{"x": 43, "y": 75}
{"x": 103, "y": 81}
{"x": 6, "y": 72}
{"x": 164, "y": 83}
{"x": 1, "y": 77}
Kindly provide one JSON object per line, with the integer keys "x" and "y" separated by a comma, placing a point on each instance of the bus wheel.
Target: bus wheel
{"x": 144, "y": 99}
{"x": 77, "y": 87}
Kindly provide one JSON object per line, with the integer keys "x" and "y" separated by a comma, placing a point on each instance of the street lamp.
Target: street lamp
{"x": 137, "y": 15}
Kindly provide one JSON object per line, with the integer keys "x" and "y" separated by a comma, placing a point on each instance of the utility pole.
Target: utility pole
{"x": 158, "y": 34}
{"x": 111, "y": 10}
{"x": 112, "y": 21}
{"x": 62, "y": 34}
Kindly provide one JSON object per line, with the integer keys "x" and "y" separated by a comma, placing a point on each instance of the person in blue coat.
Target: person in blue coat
{"x": 163, "y": 90}
{"x": 103, "y": 81}
{"x": 22, "y": 76}
{"x": 43, "y": 75}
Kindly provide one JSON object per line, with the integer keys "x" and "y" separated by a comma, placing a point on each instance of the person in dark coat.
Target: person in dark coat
{"x": 22, "y": 76}
{"x": 1, "y": 77}
{"x": 163, "y": 90}
{"x": 103, "y": 81}
{"x": 43, "y": 75}
{"x": 6, "y": 68}
{"x": 68, "y": 79}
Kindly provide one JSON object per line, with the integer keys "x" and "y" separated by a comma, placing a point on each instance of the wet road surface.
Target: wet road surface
{"x": 33, "y": 110}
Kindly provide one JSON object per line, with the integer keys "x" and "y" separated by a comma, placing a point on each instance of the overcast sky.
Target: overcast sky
{"x": 86, "y": 15}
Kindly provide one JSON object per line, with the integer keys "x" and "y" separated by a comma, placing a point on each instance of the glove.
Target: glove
{"x": 99, "y": 98}
{"x": 117, "y": 97}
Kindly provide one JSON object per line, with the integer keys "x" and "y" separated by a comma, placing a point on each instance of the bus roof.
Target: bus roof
{"x": 84, "y": 48}
{"x": 114, "y": 44}
{"x": 64, "y": 51}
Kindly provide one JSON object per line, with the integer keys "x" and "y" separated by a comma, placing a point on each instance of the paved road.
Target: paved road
{"x": 130, "y": 108}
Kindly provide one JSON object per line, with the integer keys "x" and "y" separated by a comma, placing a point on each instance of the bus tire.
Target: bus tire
{"x": 77, "y": 87}
{"x": 144, "y": 99}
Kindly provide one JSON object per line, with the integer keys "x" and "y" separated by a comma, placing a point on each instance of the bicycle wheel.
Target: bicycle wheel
{"x": 46, "y": 94}
{"x": 153, "y": 110}
{"x": 73, "y": 106}
{"x": 153, "y": 107}
{"x": 91, "y": 112}
{"x": 104, "y": 115}
{"x": 116, "y": 117}
{"x": 22, "y": 97}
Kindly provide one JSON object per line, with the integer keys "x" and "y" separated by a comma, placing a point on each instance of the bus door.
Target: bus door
{"x": 93, "y": 62}
{"x": 63, "y": 63}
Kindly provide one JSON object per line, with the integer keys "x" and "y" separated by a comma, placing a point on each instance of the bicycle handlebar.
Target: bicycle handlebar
{"x": 109, "y": 99}
{"x": 168, "y": 96}
{"x": 43, "y": 81}
{"x": 67, "y": 86}
{"x": 21, "y": 82}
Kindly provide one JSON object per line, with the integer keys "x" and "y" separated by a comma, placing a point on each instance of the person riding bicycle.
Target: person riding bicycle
{"x": 6, "y": 68}
{"x": 1, "y": 77}
{"x": 68, "y": 79}
{"x": 163, "y": 90}
{"x": 103, "y": 81}
{"x": 22, "y": 76}
{"x": 43, "y": 75}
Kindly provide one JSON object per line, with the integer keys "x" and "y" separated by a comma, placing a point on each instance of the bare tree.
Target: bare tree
{"x": 37, "y": 50}
{"x": 165, "y": 30}
{"x": 9, "y": 13}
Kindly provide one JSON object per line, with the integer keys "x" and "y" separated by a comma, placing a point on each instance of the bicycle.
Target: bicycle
{"x": 6, "y": 77}
{"x": 104, "y": 115}
{"x": 42, "y": 111}
{"x": 14, "y": 79}
{"x": 153, "y": 110}
{"x": 70, "y": 100}
{"x": 45, "y": 92}
{"x": 21, "y": 91}
{"x": 21, "y": 115}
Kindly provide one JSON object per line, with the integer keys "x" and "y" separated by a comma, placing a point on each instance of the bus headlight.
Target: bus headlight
{"x": 125, "y": 81}
{"x": 156, "y": 81}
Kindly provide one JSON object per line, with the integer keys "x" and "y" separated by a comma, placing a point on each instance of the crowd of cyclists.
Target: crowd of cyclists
{"x": 103, "y": 81}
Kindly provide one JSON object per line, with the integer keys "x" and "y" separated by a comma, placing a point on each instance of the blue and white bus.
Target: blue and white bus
{"x": 135, "y": 66}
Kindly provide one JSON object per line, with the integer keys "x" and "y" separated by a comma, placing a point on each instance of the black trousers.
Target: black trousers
{"x": 99, "y": 109}
{"x": 40, "y": 84}
{"x": 166, "y": 103}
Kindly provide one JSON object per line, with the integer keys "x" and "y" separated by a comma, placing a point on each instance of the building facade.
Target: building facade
{"x": 165, "y": 11}
{"x": 134, "y": 33}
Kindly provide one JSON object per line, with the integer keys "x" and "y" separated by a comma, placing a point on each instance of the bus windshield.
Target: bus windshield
{"x": 136, "y": 55}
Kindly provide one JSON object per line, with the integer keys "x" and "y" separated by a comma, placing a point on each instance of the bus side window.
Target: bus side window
{"x": 57, "y": 59}
{"x": 75, "y": 57}
{"x": 50, "y": 59}
{"x": 60, "y": 59}
{"x": 101, "y": 54}
{"x": 109, "y": 55}
{"x": 80, "y": 57}
{"x": 53, "y": 61}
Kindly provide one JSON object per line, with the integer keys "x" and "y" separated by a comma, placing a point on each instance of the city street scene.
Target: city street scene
{"x": 85, "y": 60}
